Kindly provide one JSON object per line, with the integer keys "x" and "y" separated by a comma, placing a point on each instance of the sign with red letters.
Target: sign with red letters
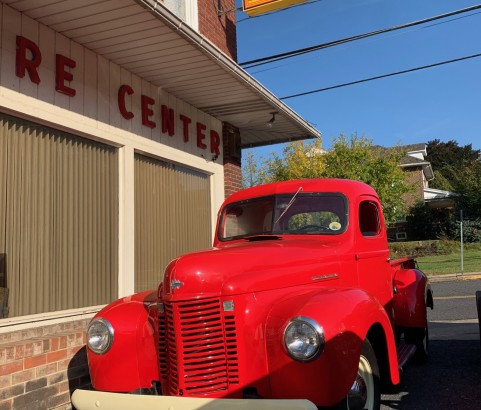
{"x": 29, "y": 58}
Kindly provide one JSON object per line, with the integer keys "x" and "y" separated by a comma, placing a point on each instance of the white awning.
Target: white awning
{"x": 438, "y": 198}
{"x": 148, "y": 40}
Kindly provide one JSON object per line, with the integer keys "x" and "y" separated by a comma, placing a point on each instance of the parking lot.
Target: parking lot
{"x": 452, "y": 376}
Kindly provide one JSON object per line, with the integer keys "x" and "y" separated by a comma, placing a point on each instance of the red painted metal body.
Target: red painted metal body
{"x": 131, "y": 360}
{"x": 217, "y": 324}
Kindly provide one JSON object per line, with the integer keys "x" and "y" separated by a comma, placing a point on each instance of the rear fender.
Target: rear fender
{"x": 131, "y": 362}
{"x": 346, "y": 317}
{"x": 412, "y": 295}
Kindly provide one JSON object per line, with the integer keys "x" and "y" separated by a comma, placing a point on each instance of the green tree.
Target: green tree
{"x": 451, "y": 161}
{"x": 441, "y": 182}
{"x": 298, "y": 160}
{"x": 457, "y": 169}
{"x": 470, "y": 192}
{"x": 355, "y": 158}
{"x": 252, "y": 172}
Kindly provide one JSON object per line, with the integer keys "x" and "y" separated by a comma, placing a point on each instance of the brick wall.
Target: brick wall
{"x": 414, "y": 178}
{"x": 232, "y": 159}
{"x": 221, "y": 30}
{"x": 40, "y": 368}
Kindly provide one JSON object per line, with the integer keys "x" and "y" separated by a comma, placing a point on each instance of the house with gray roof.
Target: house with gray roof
{"x": 418, "y": 173}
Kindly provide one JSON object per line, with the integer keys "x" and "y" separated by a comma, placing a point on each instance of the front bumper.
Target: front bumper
{"x": 95, "y": 400}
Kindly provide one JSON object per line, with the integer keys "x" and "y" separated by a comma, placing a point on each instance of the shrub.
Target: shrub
{"x": 416, "y": 249}
{"x": 426, "y": 223}
{"x": 471, "y": 231}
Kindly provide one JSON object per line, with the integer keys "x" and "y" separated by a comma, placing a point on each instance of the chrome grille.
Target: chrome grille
{"x": 197, "y": 348}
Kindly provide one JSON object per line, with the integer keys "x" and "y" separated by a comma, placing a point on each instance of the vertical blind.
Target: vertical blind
{"x": 172, "y": 217}
{"x": 58, "y": 218}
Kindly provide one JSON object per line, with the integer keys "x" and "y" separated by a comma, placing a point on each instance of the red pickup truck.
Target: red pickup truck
{"x": 297, "y": 305}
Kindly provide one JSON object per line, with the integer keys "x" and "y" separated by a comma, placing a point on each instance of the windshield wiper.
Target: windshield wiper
{"x": 288, "y": 205}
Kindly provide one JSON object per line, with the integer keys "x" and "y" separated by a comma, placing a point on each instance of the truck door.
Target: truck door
{"x": 372, "y": 253}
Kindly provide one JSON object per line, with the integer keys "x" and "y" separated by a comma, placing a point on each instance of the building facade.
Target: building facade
{"x": 121, "y": 128}
{"x": 418, "y": 172}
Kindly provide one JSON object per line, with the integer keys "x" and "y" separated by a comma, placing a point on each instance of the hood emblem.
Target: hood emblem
{"x": 176, "y": 284}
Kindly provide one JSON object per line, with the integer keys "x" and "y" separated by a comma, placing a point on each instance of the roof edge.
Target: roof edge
{"x": 230, "y": 65}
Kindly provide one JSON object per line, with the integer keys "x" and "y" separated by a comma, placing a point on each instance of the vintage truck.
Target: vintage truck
{"x": 297, "y": 305}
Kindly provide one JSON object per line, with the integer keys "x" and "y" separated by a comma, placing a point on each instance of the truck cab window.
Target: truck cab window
{"x": 248, "y": 218}
{"x": 369, "y": 219}
{"x": 285, "y": 214}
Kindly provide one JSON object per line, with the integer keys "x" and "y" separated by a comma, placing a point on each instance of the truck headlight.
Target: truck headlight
{"x": 100, "y": 336}
{"x": 304, "y": 339}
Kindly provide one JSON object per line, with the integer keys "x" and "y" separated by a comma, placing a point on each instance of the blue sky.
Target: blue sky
{"x": 439, "y": 103}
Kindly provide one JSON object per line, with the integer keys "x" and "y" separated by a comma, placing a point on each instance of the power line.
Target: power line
{"x": 431, "y": 25}
{"x": 282, "y": 56}
{"x": 365, "y": 80}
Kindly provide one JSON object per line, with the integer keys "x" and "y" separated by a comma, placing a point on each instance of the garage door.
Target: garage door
{"x": 172, "y": 217}
{"x": 58, "y": 219}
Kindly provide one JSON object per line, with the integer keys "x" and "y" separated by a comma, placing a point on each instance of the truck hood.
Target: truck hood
{"x": 251, "y": 266}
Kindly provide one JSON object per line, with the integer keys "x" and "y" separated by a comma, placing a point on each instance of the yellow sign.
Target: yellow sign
{"x": 256, "y": 7}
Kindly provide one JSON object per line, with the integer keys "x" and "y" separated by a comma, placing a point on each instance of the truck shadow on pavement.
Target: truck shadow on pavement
{"x": 449, "y": 380}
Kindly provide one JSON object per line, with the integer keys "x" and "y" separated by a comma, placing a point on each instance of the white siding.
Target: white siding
{"x": 96, "y": 81}
{"x": 93, "y": 113}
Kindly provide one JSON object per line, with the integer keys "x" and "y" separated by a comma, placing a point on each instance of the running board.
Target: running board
{"x": 404, "y": 353}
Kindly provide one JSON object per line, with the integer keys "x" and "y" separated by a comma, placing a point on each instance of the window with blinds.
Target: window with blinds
{"x": 58, "y": 219}
{"x": 172, "y": 217}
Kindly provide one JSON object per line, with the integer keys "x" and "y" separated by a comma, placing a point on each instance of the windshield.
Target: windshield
{"x": 294, "y": 214}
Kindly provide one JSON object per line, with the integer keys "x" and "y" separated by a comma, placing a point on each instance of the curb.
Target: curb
{"x": 454, "y": 276}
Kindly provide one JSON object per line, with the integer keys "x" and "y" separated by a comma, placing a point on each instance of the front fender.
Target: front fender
{"x": 346, "y": 317}
{"x": 131, "y": 362}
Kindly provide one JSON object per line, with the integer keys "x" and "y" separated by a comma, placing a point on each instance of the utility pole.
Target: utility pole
{"x": 461, "y": 240}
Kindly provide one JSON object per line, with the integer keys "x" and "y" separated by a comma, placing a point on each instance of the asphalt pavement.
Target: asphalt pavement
{"x": 451, "y": 378}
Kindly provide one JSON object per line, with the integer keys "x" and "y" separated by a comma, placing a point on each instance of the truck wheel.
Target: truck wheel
{"x": 420, "y": 338}
{"x": 365, "y": 392}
